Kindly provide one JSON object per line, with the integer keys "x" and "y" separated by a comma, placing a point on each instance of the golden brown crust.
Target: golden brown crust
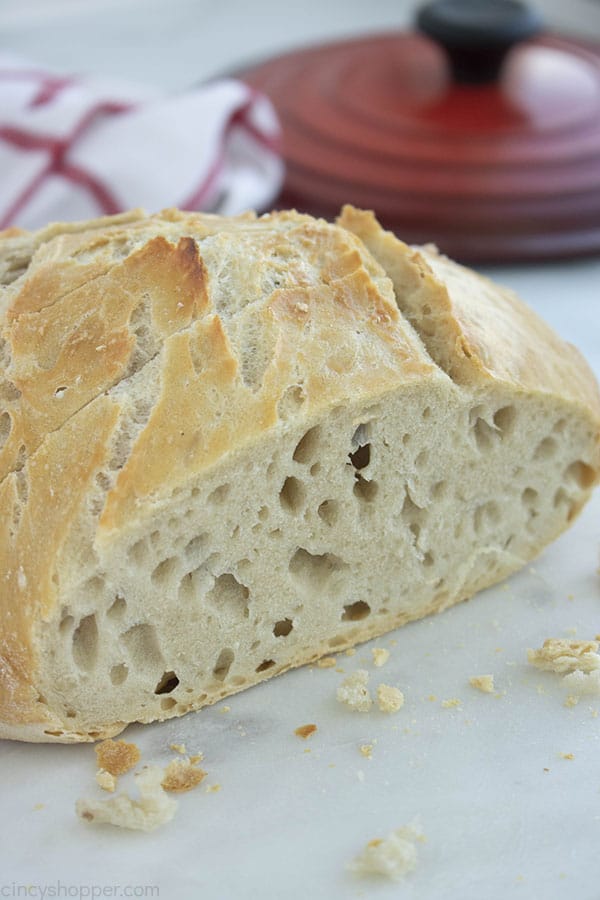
{"x": 182, "y": 775}
{"x": 35, "y": 525}
{"x": 117, "y": 757}
{"x": 488, "y": 333}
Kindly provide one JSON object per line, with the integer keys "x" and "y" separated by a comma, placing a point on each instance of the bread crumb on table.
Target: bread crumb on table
{"x": 380, "y": 656}
{"x": 305, "y": 731}
{"x": 154, "y": 807}
{"x": 579, "y": 683}
{"x": 327, "y": 662}
{"x": 389, "y": 699}
{"x": 117, "y": 757}
{"x": 484, "y": 683}
{"x": 353, "y": 691}
{"x": 366, "y": 750}
{"x": 452, "y": 703}
{"x": 391, "y": 857}
{"x": 561, "y": 655}
{"x": 567, "y": 756}
{"x": 182, "y": 775}
{"x": 178, "y": 748}
{"x": 212, "y": 788}
{"x": 106, "y": 781}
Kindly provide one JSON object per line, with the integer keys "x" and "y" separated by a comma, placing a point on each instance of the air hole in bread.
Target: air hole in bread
{"x": 168, "y": 703}
{"x": 93, "y": 589}
{"x": 265, "y": 664}
{"x": 292, "y": 495}
{"x": 486, "y": 516}
{"x": 103, "y": 481}
{"x": 313, "y": 571}
{"x": 421, "y": 459}
{"x": 559, "y": 426}
{"x": 291, "y": 400}
{"x": 328, "y": 511}
{"x": 438, "y": 490}
{"x": 415, "y": 530}
{"x": 315, "y": 468}
{"x": 9, "y": 391}
{"x": 223, "y": 664}
{"x": 138, "y": 553}
{"x": 546, "y": 449}
{"x": 581, "y": 474}
{"x": 565, "y": 504}
{"x": 22, "y": 485}
{"x": 164, "y": 572}
{"x": 142, "y": 645}
{"x": 353, "y": 612}
{"x": 219, "y": 494}
{"x": 529, "y": 499}
{"x": 361, "y": 457}
{"x": 85, "y": 644}
{"x": 428, "y": 559}
{"x": 118, "y": 674}
{"x": 365, "y": 490}
{"x": 117, "y": 609}
{"x": 5, "y": 428}
{"x": 484, "y": 434}
{"x": 504, "y": 420}
{"x": 308, "y": 446}
{"x": 426, "y": 414}
{"x": 194, "y": 547}
{"x": 168, "y": 682}
{"x": 66, "y": 624}
{"x": 228, "y": 593}
{"x": 410, "y": 511}
{"x": 283, "y": 627}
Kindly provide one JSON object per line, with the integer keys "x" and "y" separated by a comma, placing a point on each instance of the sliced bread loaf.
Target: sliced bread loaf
{"x": 229, "y": 446}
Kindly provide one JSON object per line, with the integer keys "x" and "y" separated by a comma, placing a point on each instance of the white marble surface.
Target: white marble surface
{"x": 286, "y": 821}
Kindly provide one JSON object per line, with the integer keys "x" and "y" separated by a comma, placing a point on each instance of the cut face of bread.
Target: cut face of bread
{"x": 230, "y": 446}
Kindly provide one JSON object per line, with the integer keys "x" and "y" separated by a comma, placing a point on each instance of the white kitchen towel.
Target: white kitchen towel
{"x": 74, "y": 148}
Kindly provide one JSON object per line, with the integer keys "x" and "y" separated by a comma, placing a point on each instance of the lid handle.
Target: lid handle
{"x": 477, "y": 34}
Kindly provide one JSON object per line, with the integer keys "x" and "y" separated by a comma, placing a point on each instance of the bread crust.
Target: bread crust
{"x": 99, "y": 303}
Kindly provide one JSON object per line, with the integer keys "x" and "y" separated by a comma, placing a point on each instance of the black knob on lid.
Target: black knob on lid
{"x": 477, "y": 34}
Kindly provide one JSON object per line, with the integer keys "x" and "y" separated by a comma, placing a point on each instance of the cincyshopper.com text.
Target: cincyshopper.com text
{"x": 59, "y": 889}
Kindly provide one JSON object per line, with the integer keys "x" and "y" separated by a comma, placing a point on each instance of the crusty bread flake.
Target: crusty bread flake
{"x": 393, "y": 857}
{"x": 389, "y": 699}
{"x": 354, "y": 691}
{"x": 561, "y": 655}
{"x": 580, "y": 683}
{"x": 484, "y": 683}
{"x": 106, "y": 781}
{"x": 182, "y": 775}
{"x": 305, "y": 731}
{"x": 117, "y": 757}
{"x": 380, "y": 656}
{"x": 154, "y": 807}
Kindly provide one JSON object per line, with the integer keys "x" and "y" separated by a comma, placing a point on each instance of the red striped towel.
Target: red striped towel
{"x": 73, "y": 148}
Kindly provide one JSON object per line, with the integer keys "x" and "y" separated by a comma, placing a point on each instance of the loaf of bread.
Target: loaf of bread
{"x": 229, "y": 446}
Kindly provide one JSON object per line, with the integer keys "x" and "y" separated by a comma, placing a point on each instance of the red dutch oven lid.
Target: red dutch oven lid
{"x": 477, "y": 133}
